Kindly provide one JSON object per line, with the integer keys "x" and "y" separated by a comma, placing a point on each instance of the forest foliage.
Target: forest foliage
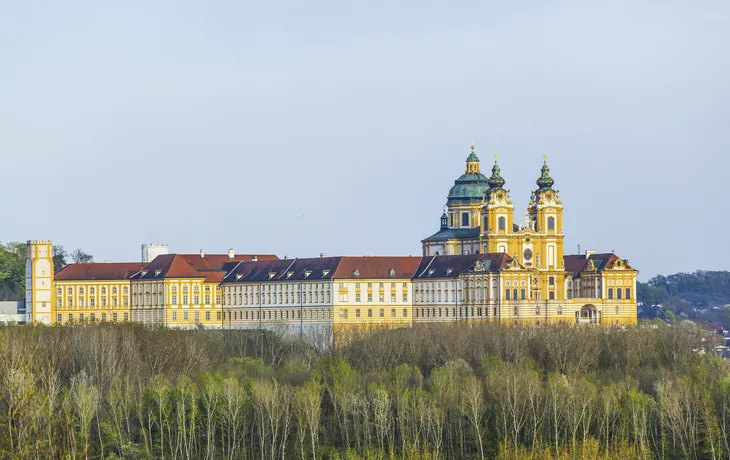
{"x": 104, "y": 391}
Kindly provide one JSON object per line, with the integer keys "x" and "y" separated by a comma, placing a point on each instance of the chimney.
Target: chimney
{"x": 589, "y": 253}
{"x": 202, "y": 254}
{"x": 231, "y": 253}
{"x": 286, "y": 257}
{"x": 321, "y": 255}
{"x": 254, "y": 259}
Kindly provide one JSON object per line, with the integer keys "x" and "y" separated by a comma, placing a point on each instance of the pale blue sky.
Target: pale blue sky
{"x": 328, "y": 126}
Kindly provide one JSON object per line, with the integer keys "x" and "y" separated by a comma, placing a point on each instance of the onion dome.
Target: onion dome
{"x": 472, "y": 185}
{"x": 496, "y": 182}
{"x": 545, "y": 182}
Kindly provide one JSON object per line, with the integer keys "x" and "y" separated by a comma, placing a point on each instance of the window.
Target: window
{"x": 502, "y": 223}
{"x": 174, "y": 316}
{"x": 92, "y": 291}
{"x": 59, "y": 303}
{"x": 522, "y": 294}
{"x": 610, "y": 293}
{"x": 551, "y": 223}
{"x": 514, "y": 294}
{"x": 357, "y": 313}
{"x": 207, "y": 299}
{"x": 628, "y": 293}
{"x": 370, "y": 296}
{"x": 70, "y": 318}
{"x": 103, "y": 291}
{"x": 174, "y": 288}
{"x": 103, "y": 316}
{"x": 185, "y": 300}
{"x": 370, "y": 313}
{"x": 70, "y": 291}
{"x": 405, "y": 312}
{"x": 93, "y": 317}
{"x": 196, "y": 300}
{"x": 551, "y": 281}
{"x": 392, "y": 313}
{"x": 392, "y": 297}
{"x": 382, "y": 286}
{"x": 551, "y": 295}
{"x": 185, "y": 316}
{"x": 405, "y": 297}
{"x": 382, "y": 313}
{"x": 357, "y": 297}
{"x": 59, "y": 318}
{"x": 81, "y": 291}
{"x": 218, "y": 316}
{"x": 370, "y": 285}
{"x": 381, "y": 297}
{"x": 343, "y": 297}
{"x": 207, "y": 316}
{"x": 465, "y": 219}
{"x": 174, "y": 299}
{"x": 618, "y": 293}
{"x": 507, "y": 293}
{"x": 81, "y": 302}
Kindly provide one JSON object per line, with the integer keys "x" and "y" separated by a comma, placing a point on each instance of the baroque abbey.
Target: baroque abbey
{"x": 481, "y": 266}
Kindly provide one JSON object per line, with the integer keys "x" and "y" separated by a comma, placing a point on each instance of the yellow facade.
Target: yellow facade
{"x": 92, "y": 301}
{"x": 177, "y": 302}
{"x": 39, "y": 282}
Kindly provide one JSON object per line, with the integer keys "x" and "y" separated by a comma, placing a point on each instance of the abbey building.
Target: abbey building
{"x": 481, "y": 266}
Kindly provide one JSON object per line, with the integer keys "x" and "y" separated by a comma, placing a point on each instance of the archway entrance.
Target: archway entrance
{"x": 588, "y": 315}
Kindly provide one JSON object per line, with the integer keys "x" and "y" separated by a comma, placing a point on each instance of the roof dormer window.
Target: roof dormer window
{"x": 272, "y": 274}
{"x": 325, "y": 272}
{"x": 449, "y": 270}
{"x": 431, "y": 272}
{"x": 157, "y": 272}
{"x": 392, "y": 272}
{"x": 289, "y": 274}
{"x": 239, "y": 276}
{"x": 307, "y": 273}
{"x": 144, "y": 273}
{"x": 356, "y": 272}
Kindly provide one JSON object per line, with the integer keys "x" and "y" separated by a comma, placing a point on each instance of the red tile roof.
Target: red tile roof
{"x": 99, "y": 271}
{"x": 377, "y": 267}
{"x": 576, "y": 263}
{"x": 214, "y": 262}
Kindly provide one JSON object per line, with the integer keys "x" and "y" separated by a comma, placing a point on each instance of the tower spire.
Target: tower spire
{"x": 496, "y": 182}
{"x": 545, "y": 182}
{"x": 472, "y": 162}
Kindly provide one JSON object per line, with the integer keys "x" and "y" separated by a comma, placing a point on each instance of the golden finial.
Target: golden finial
{"x": 544, "y": 159}
{"x": 472, "y": 146}
{"x": 495, "y": 159}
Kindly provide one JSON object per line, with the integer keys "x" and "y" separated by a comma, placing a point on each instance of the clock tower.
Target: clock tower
{"x": 39, "y": 297}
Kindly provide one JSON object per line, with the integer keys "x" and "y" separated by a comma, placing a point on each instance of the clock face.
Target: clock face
{"x": 499, "y": 196}
{"x": 528, "y": 254}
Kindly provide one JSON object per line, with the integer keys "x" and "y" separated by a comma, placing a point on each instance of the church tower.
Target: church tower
{"x": 546, "y": 215}
{"x": 497, "y": 215}
{"x": 39, "y": 305}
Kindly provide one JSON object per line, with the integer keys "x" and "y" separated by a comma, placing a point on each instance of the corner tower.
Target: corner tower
{"x": 39, "y": 282}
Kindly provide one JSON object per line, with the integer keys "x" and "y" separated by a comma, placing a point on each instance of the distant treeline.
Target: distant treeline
{"x": 702, "y": 288}
{"x": 102, "y": 391}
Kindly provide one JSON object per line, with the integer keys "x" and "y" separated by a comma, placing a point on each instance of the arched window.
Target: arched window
{"x": 522, "y": 294}
{"x": 610, "y": 293}
{"x": 618, "y": 293}
{"x": 551, "y": 223}
{"x": 502, "y": 223}
{"x": 506, "y": 293}
{"x": 514, "y": 294}
{"x": 628, "y": 293}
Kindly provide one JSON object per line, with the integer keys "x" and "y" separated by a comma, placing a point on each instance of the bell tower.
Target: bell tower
{"x": 546, "y": 215}
{"x": 497, "y": 214}
{"x": 39, "y": 305}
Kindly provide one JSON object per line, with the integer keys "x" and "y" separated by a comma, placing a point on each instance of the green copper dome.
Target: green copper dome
{"x": 496, "y": 182}
{"x": 472, "y": 185}
{"x": 545, "y": 182}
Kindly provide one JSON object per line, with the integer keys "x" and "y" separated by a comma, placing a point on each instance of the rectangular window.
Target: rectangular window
{"x": 465, "y": 219}
{"x": 392, "y": 297}
{"x": 59, "y": 318}
{"x": 185, "y": 300}
{"x": 196, "y": 300}
{"x": 392, "y": 313}
{"x": 70, "y": 291}
{"x": 126, "y": 302}
{"x": 92, "y": 318}
{"x": 92, "y": 291}
{"x": 370, "y": 285}
{"x": 382, "y": 313}
{"x": 382, "y": 285}
{"x": 174, "y": 316}
{"x": 218, "y": 315}
{"x": 370, "y": 297}
{"x": 114, "y": 316}
{"x": 405, "y": 312}
{"x": 357, "y": 313}
{"x": 343, "y": 297}
{"x": 551, "y": 281}
{"x": 174, "y": 299}
{"x": 126, "y": 317}
{"x": 552, "y": 295}
{"x": 103, "y": 316}
{"x": 370, "y": 313}
{"x": 185, "y": 316}
{"x": 357, "y": 297}
{"x": 405, "y": 297}
{"x": 207, "y": 316}
{"x": 70, "y": 318}
{"x": 381, "y": 297}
